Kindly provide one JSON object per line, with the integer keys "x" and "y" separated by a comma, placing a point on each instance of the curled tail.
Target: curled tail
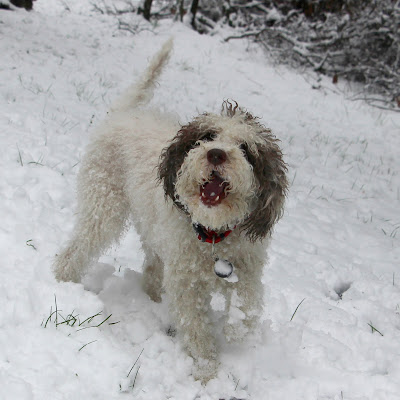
{"x": 141, "y": 92}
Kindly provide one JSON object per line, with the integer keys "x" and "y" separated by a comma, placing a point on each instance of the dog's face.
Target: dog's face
{"x": 226, "y": 170}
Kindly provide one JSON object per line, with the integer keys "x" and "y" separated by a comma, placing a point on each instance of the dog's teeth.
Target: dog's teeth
{"x": 217, "y": 198}
{"x": 203, "y": 195}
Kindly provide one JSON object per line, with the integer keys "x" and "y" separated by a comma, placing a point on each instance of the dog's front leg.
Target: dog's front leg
{"x": 190, "y": 302}
{"x": 245, "y": 303}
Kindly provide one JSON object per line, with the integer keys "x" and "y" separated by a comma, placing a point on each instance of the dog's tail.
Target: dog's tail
{"x": 141, "y": 92}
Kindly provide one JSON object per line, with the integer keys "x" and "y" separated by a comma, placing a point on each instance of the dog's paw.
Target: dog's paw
{"x": 66, "y": 276}
{"x": 204, "y": 370}
{"x": 154, "y": 294}
{"x": 63, "y": 270}
{"x": 235, "y": 332}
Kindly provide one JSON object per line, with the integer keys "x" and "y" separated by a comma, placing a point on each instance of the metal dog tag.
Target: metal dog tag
{"x": 225, "y": 270}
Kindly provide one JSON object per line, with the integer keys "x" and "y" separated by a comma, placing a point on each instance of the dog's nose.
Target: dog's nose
{"x": 216, "y": 156}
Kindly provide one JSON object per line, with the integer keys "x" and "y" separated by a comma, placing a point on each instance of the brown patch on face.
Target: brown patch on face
{"x": 172, "y": 156}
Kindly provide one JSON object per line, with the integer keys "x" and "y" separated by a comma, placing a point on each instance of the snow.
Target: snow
{"x": 337, "y": 246}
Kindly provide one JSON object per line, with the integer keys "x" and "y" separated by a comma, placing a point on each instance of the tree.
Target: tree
{"x": 355, "y": 39}
{"x": 6, "y": 4}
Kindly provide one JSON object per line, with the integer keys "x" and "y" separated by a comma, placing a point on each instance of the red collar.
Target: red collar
{"x": 208, "y": 235}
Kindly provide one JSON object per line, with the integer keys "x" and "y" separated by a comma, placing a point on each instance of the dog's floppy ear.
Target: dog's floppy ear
{"x": 168, "y": 167}
{"x": 270, "y": 172}
{"x": 172, "y": 157}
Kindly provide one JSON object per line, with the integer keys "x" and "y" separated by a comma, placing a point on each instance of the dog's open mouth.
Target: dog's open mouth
{"x": 214, "y": 191}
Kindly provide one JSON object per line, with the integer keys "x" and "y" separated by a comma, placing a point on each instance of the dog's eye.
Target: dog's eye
{"x": 246, "y": 152}
{"x": 208, "y": 136}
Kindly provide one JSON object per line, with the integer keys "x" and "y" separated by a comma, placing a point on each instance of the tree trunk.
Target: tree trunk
{"x": 27, "y": 4}
{"x": 193, "y": 11}
{"x": 147, "y": 9}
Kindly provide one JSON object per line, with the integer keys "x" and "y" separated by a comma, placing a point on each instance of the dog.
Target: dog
{"x": 203, "y": 198}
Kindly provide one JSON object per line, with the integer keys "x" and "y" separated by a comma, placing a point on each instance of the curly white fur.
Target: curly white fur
{"x": 117, "y": 184}
{"x": 196, "y": 170}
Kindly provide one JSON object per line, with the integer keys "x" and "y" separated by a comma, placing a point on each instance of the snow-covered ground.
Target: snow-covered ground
{"x": 335, "y": 254}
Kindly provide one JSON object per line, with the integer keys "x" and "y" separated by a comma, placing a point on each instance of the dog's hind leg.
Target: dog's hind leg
{"x": 153, "y": 275}
{"x": 103, "y": 211}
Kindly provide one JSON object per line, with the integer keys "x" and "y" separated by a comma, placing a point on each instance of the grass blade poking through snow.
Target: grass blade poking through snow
{"x": 89, "y": 319}
{"x": 28, "y": 243}
{"x": 20, "y": 157}
{"x": 373, "y": 329}
{"x": 71, "y": 320}
{"x": 134, "y": 381}
{"x": 296, "y": 309}
{"x": 137, "y": 371}
{"x": 101, "y": 323}
{"x": 87, "y": 344}
{"x": 134, "y": 363}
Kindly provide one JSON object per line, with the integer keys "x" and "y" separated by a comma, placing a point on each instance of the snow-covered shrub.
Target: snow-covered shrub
{"x": 354, "y": 39}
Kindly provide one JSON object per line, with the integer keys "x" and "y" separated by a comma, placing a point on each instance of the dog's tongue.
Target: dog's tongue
{"x": 213, "y": 192}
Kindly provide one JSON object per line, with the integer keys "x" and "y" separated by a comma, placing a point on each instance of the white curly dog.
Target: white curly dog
{"x": 203, "y": 197}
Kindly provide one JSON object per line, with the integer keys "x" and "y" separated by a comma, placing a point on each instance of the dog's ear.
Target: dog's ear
{"x": 168, "y": 167}
{"x": 270, "y": 172}
{"x": 172, "y": 157}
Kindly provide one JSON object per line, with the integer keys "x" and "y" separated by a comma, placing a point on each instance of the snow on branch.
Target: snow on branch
{"x": 353, "y": 39}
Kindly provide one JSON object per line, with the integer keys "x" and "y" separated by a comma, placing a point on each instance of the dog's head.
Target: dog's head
{"x": 226, "y": 170}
